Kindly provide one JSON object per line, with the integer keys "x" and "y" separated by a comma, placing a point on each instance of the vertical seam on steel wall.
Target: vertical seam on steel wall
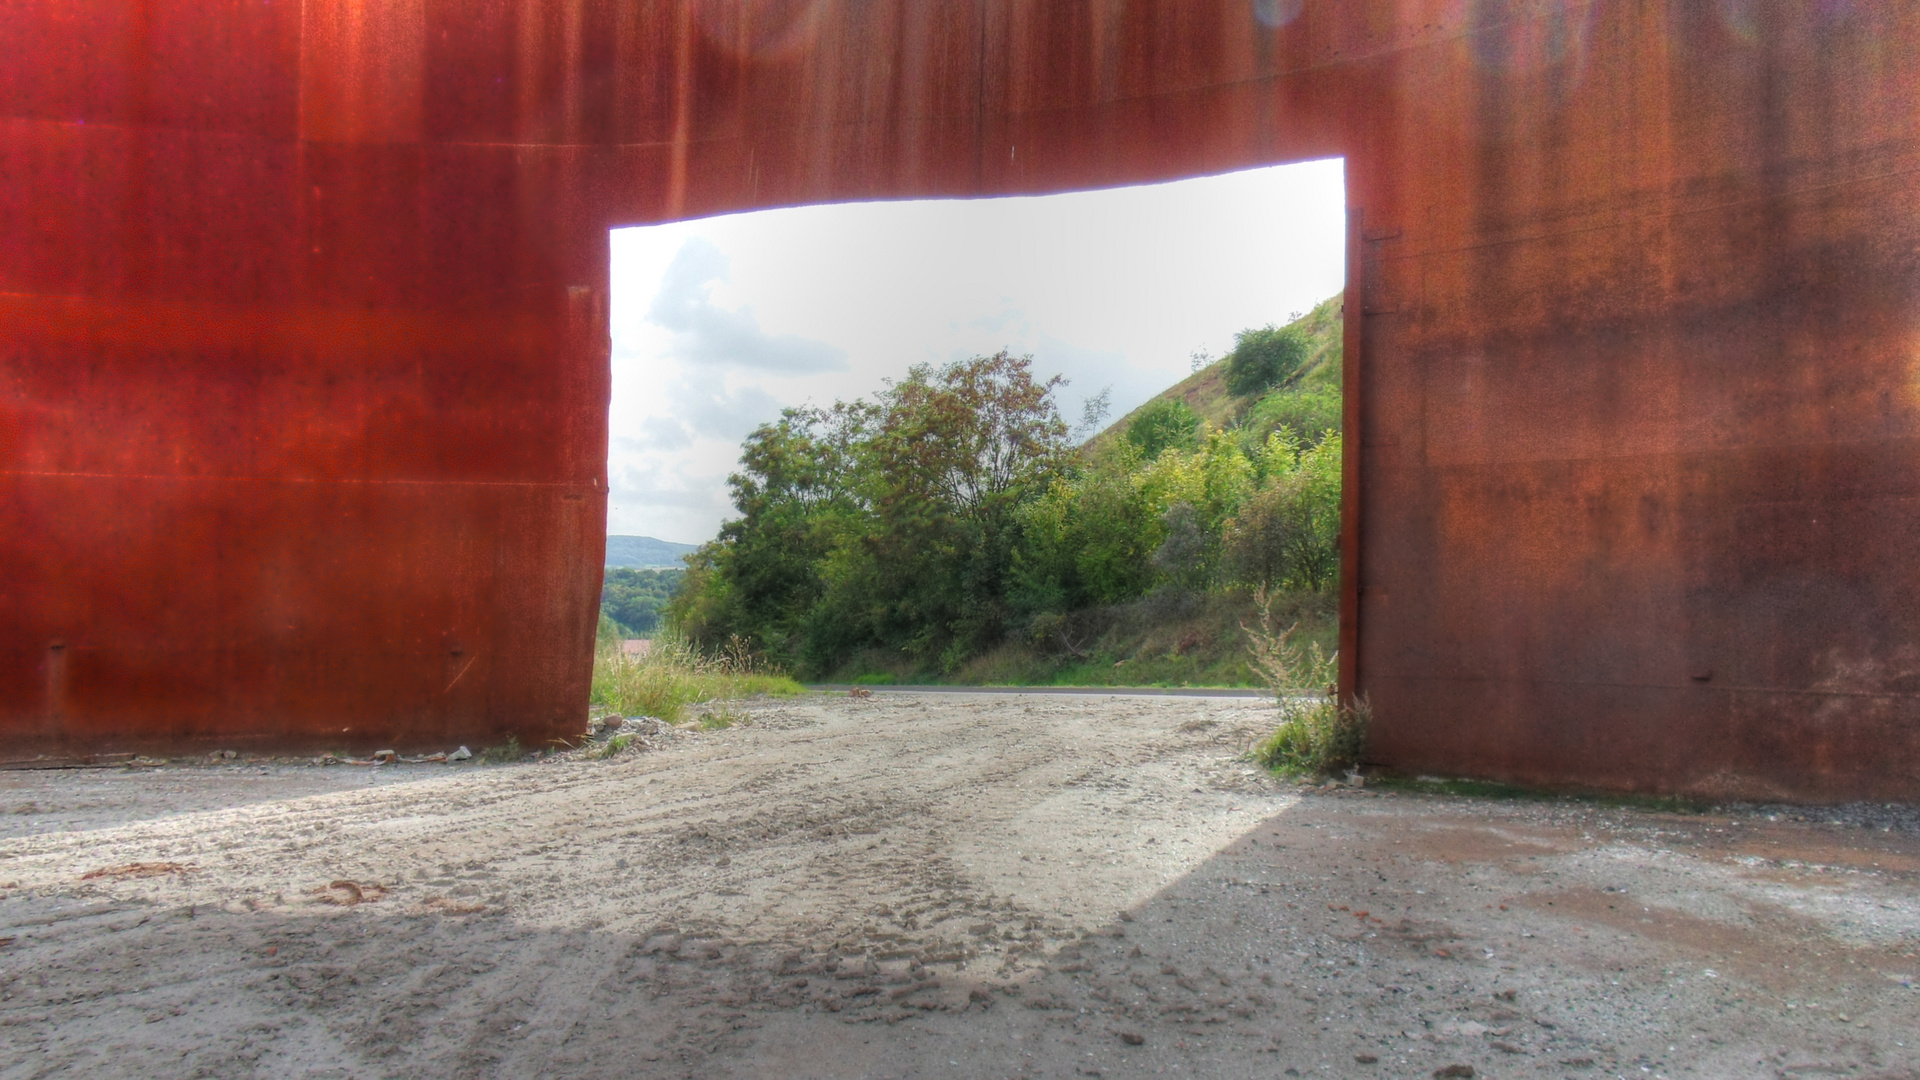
{"x": 1353, "y": 328}
{"x": 681, "y": 150}
{"x": 979, "y": 92}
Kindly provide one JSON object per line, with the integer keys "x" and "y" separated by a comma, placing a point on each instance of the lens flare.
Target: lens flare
{"x": 1510, "y": 42}
{"x": 1274, "y": 14}
{"x": 764, "y": 30}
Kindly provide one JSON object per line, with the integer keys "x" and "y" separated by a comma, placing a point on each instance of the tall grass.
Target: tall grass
{"x": 674, "y": 675}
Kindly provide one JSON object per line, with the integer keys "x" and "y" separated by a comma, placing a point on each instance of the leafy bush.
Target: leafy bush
{"x": 503, "y": 755}
{"x": 613, "y": 747}
{"x": 1316, "y": 738}
{"x": 1265, "y": 358}
{"x": 1309, "y": 411}
{"x": 1185, "y": 558}
{"x": 1288, "y": 534}
{"x": 1086, "y": 541}
{"x": 1161, "y": 424}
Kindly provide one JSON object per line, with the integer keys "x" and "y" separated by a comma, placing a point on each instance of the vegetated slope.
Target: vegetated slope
{"x": 1168, "y": 638}
{"x": 632, "y": 600}
{"x": 949, "y": 528}
{"x": 1205, "y": 391}
{"x": 1184, "y": 626}
{"x": 645, "y": 552}
{"x": 1187, "y": 637}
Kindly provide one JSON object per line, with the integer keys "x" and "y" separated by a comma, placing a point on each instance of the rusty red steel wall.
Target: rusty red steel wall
{"x": 304, "y": 371}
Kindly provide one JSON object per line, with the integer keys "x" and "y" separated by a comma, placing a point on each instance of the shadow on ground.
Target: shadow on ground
{"x": 1349, "y": 935}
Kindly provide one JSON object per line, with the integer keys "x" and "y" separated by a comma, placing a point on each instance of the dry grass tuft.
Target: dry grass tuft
{"x": 673, "y": 675}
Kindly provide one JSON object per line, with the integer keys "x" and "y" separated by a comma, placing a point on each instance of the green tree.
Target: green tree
{"x": 893, "y": 522}
{"x": 955, "y": 453}
{"x": 1089, "y": 539}
{"x": 1264, "y": 358}
{"x": 799, "y": 494}
{"x": 635, "y": 598}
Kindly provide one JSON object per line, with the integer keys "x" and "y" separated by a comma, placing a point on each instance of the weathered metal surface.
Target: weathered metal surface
{"x": 1642, "y": 330}
{"x": 303, "y": 345}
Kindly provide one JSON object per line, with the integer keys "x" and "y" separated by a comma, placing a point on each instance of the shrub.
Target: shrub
{"x": 1086, "y": 541}
{"x": 1161, "y": 424}
{"x": 613, "y": 747}
{"x": 1265, "y": 358}
{"x": 1185, "y": 558}
{"x": 1288, "y": 534}
{"x": 1311, "y": 411}
{"x": 503, "y": 755}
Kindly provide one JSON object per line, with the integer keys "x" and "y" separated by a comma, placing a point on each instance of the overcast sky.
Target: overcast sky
{"x": 719, "y": 323}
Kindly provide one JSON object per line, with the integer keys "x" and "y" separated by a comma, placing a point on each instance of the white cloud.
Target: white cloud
{"x": 712, "y": 405}
{"x": 704, "y": 333}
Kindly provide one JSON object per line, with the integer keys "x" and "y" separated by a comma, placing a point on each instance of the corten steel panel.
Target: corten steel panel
{"x": 303, "y": 364}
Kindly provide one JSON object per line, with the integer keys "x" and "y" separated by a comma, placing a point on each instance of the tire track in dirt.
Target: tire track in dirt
{"x": 943, "y": 887}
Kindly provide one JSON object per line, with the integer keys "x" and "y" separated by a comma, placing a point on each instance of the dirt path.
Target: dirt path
{"x": 937, "y": 886}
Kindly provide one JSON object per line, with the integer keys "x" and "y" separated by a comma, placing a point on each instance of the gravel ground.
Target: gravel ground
{"x": 934, "y": 886}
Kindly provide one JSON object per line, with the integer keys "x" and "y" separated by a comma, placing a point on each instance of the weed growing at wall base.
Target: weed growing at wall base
{"x": 503, "y": 755}
{"x": 1317, "y": 734}
{"x": 1316, "y": 737}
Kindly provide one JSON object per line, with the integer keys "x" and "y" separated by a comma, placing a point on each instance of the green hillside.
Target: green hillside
{"x": 1134, "y": 558}
{"x": 1205, "y": 391}
{"x": 645, "y": 552}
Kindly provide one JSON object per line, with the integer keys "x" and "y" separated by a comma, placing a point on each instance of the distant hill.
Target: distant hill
{"x": 1205, "y": 391}
{"x": 642, "y": 552}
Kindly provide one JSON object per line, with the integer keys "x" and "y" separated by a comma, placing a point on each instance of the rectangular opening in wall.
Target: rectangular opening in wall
{"x": 1054, "y": 439}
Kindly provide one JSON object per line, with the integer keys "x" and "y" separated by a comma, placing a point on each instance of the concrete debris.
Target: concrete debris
{"x": 390, "y": 757}
{"x": 344, "y": 893}
{"x": 602, "y": 728}
{"x": 634, "y": 733}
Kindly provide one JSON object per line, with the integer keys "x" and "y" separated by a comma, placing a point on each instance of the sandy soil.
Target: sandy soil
{"x": 937, "y": 886}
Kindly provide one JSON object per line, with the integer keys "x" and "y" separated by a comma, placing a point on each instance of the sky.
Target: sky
{"x": 719, "y": 323}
